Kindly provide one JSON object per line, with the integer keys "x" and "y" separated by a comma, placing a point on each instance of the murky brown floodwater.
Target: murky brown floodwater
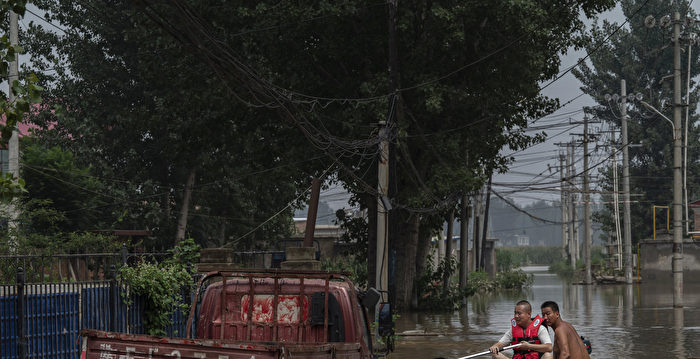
{"x": 622, "y": 321}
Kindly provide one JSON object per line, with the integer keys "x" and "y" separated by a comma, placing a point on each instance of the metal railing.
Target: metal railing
{"x": 68, "y": 267}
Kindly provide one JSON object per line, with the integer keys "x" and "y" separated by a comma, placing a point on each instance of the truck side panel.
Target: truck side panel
{"x": 109, "y": 345}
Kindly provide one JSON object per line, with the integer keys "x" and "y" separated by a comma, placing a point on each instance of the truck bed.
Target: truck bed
{"x": 108, "y": 345}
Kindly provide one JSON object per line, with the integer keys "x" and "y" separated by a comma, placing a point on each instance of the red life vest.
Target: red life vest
{"x": 527, "y": 335}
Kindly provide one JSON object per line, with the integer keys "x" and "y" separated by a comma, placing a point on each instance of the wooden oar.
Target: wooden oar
{"x": 488, "y": 352}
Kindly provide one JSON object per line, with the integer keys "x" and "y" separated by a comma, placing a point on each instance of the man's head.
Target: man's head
{"x": 523, "y": 312}
{"x": 550, "y": 312}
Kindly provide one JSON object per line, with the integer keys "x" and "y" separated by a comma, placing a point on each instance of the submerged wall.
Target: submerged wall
{"x": 655, "y": 259}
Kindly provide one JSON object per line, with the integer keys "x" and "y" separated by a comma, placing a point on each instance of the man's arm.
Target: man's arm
{"x": 505, "y": 340}
{"x": 542, "y": 348}
{"x": 545, "y": 340}
{"x": 563, "y": 342}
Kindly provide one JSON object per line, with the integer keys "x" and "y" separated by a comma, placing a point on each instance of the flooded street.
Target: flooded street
{"x": 622, "y": 321}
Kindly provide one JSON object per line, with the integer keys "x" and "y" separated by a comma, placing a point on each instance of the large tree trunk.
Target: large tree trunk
{"x": 405, "y": 248}
{"x": 448, "y": 250}
{"x": 184, "y": 209}
{"x": 463, "y": 243}
{"x": 421, "y": 258}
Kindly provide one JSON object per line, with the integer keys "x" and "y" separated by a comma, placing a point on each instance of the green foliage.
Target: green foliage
{"x": 432, "y": 294}
{"x": 479, "y": 282}
{"x": 149, "y": 106}
{"x": 562, "y": 268}
{"x": 52, "y": 176}
{"x": 513, "y": 257}
{"x": 348, "y": 263}
{"x": 25, "y": 240}
{"x": 26, "y": 92}
{"x": 11, "y": 187}
{"x": 516, "y": 279}
{"x": 162, "y": 284}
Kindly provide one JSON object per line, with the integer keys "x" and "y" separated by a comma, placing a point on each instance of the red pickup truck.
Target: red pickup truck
{"x": 257, "y": 314}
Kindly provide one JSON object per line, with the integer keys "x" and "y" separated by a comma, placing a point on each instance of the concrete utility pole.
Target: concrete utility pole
{"x": 677, "y": 264}
{"x": 573, "y": 238}
{"x": 484, "y": 237}
{"x": 463, "y": 245}
{"x": 382, "y": 261}
{"x": 627, "y": 221}
{"x": 475, "y": 229}
{"x": 587, "y": 206}
{"x": 563, "y": 207}
{"x": 13, "y": 145}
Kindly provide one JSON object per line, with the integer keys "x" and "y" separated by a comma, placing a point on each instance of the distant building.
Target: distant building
{"x": 522, "y": 240}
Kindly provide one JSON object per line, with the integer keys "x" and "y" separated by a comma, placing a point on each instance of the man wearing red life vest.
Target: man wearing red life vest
{"x": 527, "y": 331}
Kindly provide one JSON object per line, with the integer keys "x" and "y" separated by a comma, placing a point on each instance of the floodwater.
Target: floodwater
{"x": 622, "y": 321}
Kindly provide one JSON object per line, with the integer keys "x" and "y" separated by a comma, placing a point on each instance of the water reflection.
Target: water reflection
{"x": 622, "y": 321}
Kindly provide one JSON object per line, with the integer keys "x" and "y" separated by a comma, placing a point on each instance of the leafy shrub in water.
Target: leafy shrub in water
{"x": 513, "y": 257}
{"x": 479, "y": 282}
{"x": 432, "y": 294}
{"x": 562, "y": 268}
{"x": 516, "y": 279}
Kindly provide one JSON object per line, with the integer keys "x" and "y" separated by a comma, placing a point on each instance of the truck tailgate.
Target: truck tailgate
{"x": 100, "y": 344}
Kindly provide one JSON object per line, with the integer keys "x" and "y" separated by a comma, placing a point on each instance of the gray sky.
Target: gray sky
{"x": 533, "y": 165}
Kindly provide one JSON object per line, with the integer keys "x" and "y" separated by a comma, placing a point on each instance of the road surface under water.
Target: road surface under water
{"x": 622, "y": 321}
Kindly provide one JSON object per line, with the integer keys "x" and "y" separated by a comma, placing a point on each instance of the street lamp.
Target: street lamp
{"x": 660, "y": 114}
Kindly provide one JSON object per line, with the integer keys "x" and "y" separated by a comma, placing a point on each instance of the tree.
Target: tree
{"x": 144, "y": 114}
{"x": 463, "y": 70}
{"x": 53, "y": 179}
{"x": 643, "y": 57}
{"x": 310, "y": 79}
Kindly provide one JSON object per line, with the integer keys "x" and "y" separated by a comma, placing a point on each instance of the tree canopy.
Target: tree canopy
{"x": 253, "y": 99}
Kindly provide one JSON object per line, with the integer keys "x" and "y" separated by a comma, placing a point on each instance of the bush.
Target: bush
{"x": 432, "y": 294}
{"x": 349, "y": 263}
{"x": 562, "y": 268}
{"x": 514, "y": 257}
{"x": 161, "y": 284}
{"x": 516, "y": 279}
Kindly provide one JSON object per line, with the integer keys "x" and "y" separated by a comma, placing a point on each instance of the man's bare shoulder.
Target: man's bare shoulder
{"x": 563, "y": 327}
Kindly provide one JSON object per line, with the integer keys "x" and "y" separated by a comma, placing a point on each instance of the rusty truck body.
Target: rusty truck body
{"x": 256, "y": 314}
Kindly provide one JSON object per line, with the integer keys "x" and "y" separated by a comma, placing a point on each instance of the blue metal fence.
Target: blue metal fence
{"x": 42, "y": 320}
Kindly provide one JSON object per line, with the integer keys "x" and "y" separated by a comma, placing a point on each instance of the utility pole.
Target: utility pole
{"x": 677, "y": 261}
{"x": 587, "y": 206}
{"x": 587, "y": 232}
{"x": 573, "y": 238}
{"x": 13, "y": 145}
{"x": 475, "y": 229}
{"x": 484, "y": 237}
{"x": 627, "y": 216}
{"x": 563, "y": 206}
{"x": 382, "y": 258}
{"x": 463, "y": 245}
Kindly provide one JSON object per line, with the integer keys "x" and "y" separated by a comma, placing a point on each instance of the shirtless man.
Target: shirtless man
{"x": 567, "y": 342}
